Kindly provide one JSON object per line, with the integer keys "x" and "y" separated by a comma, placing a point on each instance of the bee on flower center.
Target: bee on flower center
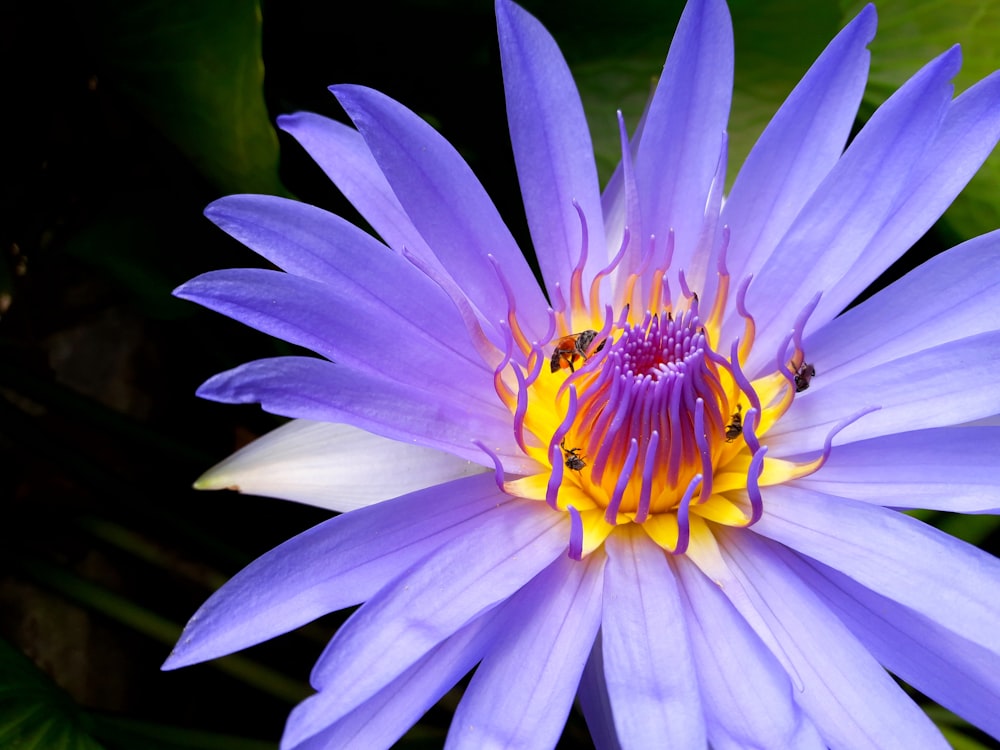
{"x": 571, "y": 348}
{"x": 573, "y": 461}
{"x": 735, "y": 427}
{"x": 803, "y": 375}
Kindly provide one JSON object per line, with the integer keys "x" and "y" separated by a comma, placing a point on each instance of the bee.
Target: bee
{"x": 571, "y": 348}
{"x": 735, "y": 427}
{"x": 573, "y": 461}
{"x": 803, "y": 375}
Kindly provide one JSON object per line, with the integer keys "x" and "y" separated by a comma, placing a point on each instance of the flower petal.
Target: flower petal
{"x": 949, "y": 468}
{"x": 333, "y": 466}
{"x": 336, "y": 564}
{"x": 308, "y": 388}
{"x": 552, "y": 148}
{"x": 308, "y": 241}
{"x": 385, "y": 717}
{"x": 342, "y": 154}
{"x": 447, "y": 204}
{"x": 369, "y": 334}
{"x": 747, "y": 695}
{"x": 428, "y": 603}
{"x": 682, "y": 136}
{"x": 840, "y": 219}
{"x": 852, "y": 701}
{"x": 887, "y": 551}
{"x": 958, "y": 293}
{"x": 968, "y": 133}
{"x": 797, "y": 149}
{"x": 595, "y": 702}
{"x": 522, "y": 692}
{"x": 959, "y": 675}
{"x": 643, "y": 631}
{"x": 945, "y": 385}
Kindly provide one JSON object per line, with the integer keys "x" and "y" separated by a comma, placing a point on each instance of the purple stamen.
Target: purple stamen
{"x": 802, "y": 319}
{"x": 497, "y": 465}
{"x": 595, "y": 285}
{"x": 750, "y": 429}
{"x": 502, "y": 389}
{"x": 536, "y": 357}
{"x": 558, "y": 301}
{"x": 720, "y": 263}
{"x": 740, "y": 378}
{"x": 648, "y": 464}
{"x": 575, "y": 534}
{"x": 620, "y": 409}
{"x": 683, "y": 516}
{"x": 675, "y": 430}
{"x": 782, "y": 358}
{"x": 685, "y": 290}
{"x": 624, "y": 478}
{"x": 555, "y": 451}
{"x": 701, "y": 439}
{"x": 522, "y": 409}
{"x": 846, "y": 421}
{"x": 753, "y": 486}
{"x": 576, "y": 278}
{"x": 668, "y": 250}
{"x": 515, "y": 327}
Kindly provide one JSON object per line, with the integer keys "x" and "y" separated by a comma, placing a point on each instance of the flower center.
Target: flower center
{"x": 640, "y": 418}
{"x": 648, "y": 415}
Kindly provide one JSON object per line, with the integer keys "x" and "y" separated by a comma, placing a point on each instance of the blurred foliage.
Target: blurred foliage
{"x": 126, "y": 118}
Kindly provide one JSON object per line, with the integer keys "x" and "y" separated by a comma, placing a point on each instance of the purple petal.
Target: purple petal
{"x": 683, "y": 132}
{"x": 552, "y": 147}
{"x": 958, "y": 293}
{"x": 595, "y": 702}
{"x": 940, "y": 577}
{"x": 647, "y": 659}
{"x": 847, "y": 209}
{"x": 747, "y": 695}
{"x": 950, "y": 468}
{"x": 341, "y": 153}
{"x": 447, "y": 204}
{"x": 961, "y": 676}
{"x": 967, "y": 135}
{"x": 941, "y": 386}
{"x": 307, "y": 241}
{"x": 307, "y": 388}
{"x": 336, "y": 564}
{"x": 850, "y": 698}
{"x": 427, "y": 604}
{"x": 369, "y": 334}
{"x": 797, "y": 150}
{"x": 384, "y": 718}
{"x": 523, "y": 690}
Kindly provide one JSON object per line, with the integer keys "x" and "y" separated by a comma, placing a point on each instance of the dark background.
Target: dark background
{"x": 108, "y": 161}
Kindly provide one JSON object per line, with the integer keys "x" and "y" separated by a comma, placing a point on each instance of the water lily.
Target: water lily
{"x": 669, "y": 483}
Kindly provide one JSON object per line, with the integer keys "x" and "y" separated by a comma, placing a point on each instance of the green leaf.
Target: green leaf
{"x": 974, "y": 529}
{"x": 912, "y": 32}
{"x": 195, "y": 69}
{"x": 34, "y": 713}
{"x": 960, "y": 741}
{"x": 955, "y": 729}
{"x": 776, "y": 41}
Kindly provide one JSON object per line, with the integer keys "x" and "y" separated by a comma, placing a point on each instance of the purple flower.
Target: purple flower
{"x": 668, "y": 483}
